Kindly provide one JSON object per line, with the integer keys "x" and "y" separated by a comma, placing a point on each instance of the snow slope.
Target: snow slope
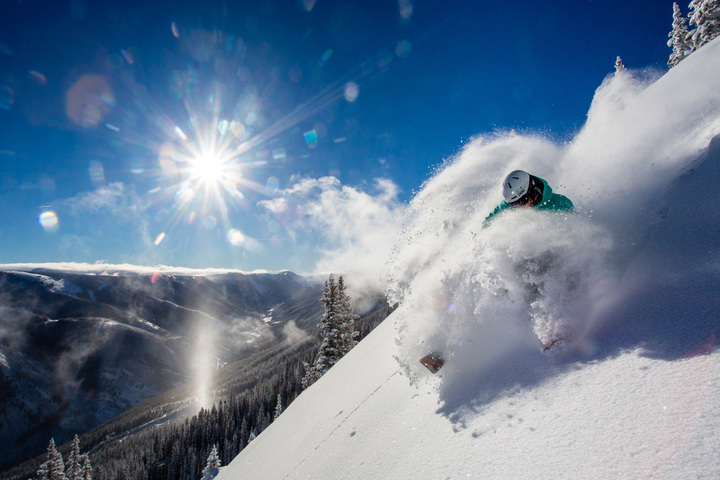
{"x": 632, "y": 279}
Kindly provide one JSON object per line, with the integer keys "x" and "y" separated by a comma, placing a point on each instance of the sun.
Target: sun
{"x": 203, "y": 175}
{"x": 209, "y": 168}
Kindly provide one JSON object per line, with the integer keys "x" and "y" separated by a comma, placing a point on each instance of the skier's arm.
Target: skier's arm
{"x": 503, "y": 206}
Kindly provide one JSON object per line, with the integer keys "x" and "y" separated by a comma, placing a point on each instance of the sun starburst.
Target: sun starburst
{"x": 209, "y": 168}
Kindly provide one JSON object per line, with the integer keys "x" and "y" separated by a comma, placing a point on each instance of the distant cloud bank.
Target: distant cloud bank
{"x": 125, "y": 268}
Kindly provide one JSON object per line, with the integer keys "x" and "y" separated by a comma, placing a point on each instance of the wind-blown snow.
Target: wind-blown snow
{"x": 631, "y": 278}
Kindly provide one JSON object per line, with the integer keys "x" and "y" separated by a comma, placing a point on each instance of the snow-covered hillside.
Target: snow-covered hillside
{"x": 632, "y": 278}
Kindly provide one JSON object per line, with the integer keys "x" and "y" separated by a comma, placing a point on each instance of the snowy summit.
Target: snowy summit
{"x": 631, "y": 278}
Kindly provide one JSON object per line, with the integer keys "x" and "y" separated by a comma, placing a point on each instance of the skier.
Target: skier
{"x": 521, "y": 189}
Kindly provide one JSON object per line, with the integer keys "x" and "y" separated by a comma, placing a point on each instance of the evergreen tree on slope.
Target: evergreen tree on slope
{"x": 73, "y": 469}
{"x": 679, "y": 38}
{"x": 705, "y": 15}
{"x": 213, "y": 465}
{"x": 337, "y": 329}
{"x": 53, "y": 468}
{"x": 619, "y": 67}
{"x": 87, "y": 470}
{"x": 278, "y": 407}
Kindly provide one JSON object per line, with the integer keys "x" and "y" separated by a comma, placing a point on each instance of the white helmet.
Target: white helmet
{"x": 516, "y": 185}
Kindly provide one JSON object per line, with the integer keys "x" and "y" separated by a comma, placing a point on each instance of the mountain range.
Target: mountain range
{"x": 78, "y": 349}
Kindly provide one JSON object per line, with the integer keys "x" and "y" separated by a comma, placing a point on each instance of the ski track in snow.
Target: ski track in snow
{"x": 346, "y": 418}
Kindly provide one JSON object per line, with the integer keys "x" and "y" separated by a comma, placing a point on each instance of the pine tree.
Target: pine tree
{"x": 679, "y": 38}
{"x": 87, "y": 469}
{"x": 705, "y": 15}
{"x": 213, "y": 464}
{"x": 278, "y": 407}
{"x": 348, "y": 317}
{"x": 53, "y": 468}
{"x": 73, "y": 469}
{"x": 337, "y": 329}
{"x": 174, "y": 466}
{"x": 619, "y": 67}
{"x": 244, "y": 433}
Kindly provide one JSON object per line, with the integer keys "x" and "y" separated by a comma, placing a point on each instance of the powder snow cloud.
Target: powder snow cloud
{"x": 353, "y": 230}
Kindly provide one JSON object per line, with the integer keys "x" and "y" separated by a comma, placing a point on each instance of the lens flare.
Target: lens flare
{"x": 235, "y": 237}
{"x": 128, "y": 56}
{"x": 351, "y": 91}
{"x": 97, "y": 173}
{"x": 49, "y": 221}
{"x": 180, "y": 133}
{"x": 326, "y": 56}
{"x": 271, "y": 186}
{"x": 38, "y": 77}
{"x": 279, "y": 154}
{"x": 185, "y": 194}
{"x": 89, "y": 100}
{"x": 7, "y": 97}
{"x": 237, "y": 129}
{"x": 311, "y": 138}
{"x": 406, "y": 9}
{"x": 159, "y": 239}
{"x": 403, "y": 48}
{"x": 209, "y": 222}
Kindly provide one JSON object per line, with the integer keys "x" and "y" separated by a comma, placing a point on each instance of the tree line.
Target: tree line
{"x": 77, "y": 467}
{"x": 704, "y": 15}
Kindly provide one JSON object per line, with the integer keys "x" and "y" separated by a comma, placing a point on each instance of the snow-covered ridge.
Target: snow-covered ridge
{"x": 62, "y": 286}
{"x": 632, "y": 278}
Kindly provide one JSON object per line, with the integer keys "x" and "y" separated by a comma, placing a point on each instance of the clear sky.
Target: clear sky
{"x": 198, "y": 133}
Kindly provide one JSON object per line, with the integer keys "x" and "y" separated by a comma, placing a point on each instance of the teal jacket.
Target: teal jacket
{"x": 550, "y": 201}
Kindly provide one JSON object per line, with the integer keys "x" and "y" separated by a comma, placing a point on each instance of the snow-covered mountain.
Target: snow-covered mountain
{"x": 632, "y": 278}
{"x": 78, "y": 349}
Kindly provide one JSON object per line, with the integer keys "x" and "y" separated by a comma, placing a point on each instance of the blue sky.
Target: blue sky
{"x": 199, "y": 134}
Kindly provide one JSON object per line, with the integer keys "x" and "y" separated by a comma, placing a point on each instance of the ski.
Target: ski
{"x": 433, "y": 362}
{"x": 555, "y": 344}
